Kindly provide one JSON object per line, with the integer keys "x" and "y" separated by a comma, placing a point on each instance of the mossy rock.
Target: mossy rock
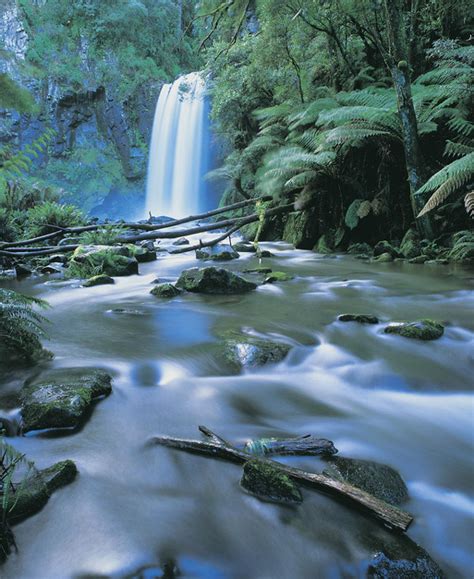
{"x": 269, "y": 483}
{"x": 301, "y": 228}
{"x": 359, "y": 249}
{"x": 419, "y": 259}
{"x": 325, "y": 244}
{"x": 263, "y": 253}
{"x": 165, "y": 290}
{"x": 88, "y": 261}
{"x": 276, "y": 276}
{"x": 246, "y": 351}
{"x": 261, "y": 270}
{"x": 359, "y": 318}
{"x": 419, "y": 330}
{"x": 383, "y": 247}
{"x": 244, "y": 247}
{"x": 36, "y": 490}
{"x": 384, "y": 258}
{"x": 101, "y": 279}
{"x": 217, "y": 253}
{"x": 380, "y": 480}
{"x": 213, "y": 280}
{"x": 410, "y": 245}
{"x": 61, "y": 398}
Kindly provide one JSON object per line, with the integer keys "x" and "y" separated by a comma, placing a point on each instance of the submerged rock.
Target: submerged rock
{"x": 380, "y": 480}
{"x": 278, "y": 276}
{"x": 245, "y": 247}
{"x": 61, "y": 398}
{"x": 100, "y": 279}
{"x": 37, "y": 488}
{"x": 269, "y": 483}
{"x": 217, "y": 253}
{"x": 419, "y": 330}
{"x": 165, "y": 290}
{"x": 263, "y": 253}
{"x": 246, "y": 351}
{"x": 213, "y": 280}
{"x": 360, "y": 318}
{"x": 258, "y": 270}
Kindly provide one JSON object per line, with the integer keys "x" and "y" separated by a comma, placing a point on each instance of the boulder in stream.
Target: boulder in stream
{"x": 245, "y": 351}
{"x": 165, "y": 290}
{"x": 100, "y": 279}
{"x": 278, "y": 276}
{"x": 110, "y": 260}
{"x": 383, "y": 247}
{"x": 61, "y": 398}
{"x": 269, "y": 483}
{"x": 245, "y": 247}
{"x": 359, "y": 318}
{"x": 181, "y": 241}
{"x": 213, "y": 280}
{"x": 219, "y": 252}
{"x": 419, "y": 330}
{"x": 260, "y": 269}
{"x": 380, "y": 480}
{"x": 410, "y": 246}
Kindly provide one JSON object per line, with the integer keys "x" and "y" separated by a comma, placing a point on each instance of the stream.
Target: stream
{"x": 380, "y": 397}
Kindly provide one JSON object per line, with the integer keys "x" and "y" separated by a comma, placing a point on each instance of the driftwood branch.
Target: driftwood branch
{"x": 216, "y": 447}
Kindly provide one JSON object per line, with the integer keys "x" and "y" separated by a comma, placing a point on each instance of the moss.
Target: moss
{"x": 419, "y": 330}
{"x": 383, "y": 247}
{"x": 90, "y": 261}
{"x": 384, "y": 258}
{"x": 410, "y": 246}
{"x": 269, "y": 483}
{"x": 360, "y": 318}
{"x": 101, "y": 279}
{"x": 213, "y": 280}
{"x": 278, "y": 276}
{"x": 301, "y": 229}
{"x": 165, "y": 290}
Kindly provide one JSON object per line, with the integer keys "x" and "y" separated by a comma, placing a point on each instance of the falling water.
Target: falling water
{"x": 178, "y": 149}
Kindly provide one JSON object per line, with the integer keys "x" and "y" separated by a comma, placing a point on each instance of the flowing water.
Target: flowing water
{"x": 380, "y": 397}
{"x": 179, "y": 149}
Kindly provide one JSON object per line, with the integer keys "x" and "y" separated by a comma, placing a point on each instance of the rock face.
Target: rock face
{"x": 217, "y": 253}
{"x": 213, "y": 280}
{"x": 61, "y": 398}
{"x": 101, "y": 279}
{"x": 245, "y": 351}
{"x": 37, "y": 489}
{"x": 301, "y": 228}
{"x": 378, "y": 479}
{"x": 165, "y": 290}
{"x": 268, "y": 483}
{"x": 359, "y": 318}
{"x": 420, "y": 330}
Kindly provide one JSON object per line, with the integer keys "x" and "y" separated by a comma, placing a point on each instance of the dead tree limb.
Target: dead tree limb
{"x": 216, "y": 447}
{"x": 209, "y": 243}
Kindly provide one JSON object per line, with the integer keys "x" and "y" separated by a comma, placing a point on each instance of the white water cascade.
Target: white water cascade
{"x": 179, "y": 149}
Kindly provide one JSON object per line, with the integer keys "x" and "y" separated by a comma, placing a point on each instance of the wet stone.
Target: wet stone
{"x": 419, "y": 330}
{"x": 165, "y": 290}
{"x": 213, "y": 280}
{"x": 269, "y": 483}
{"x": 245, "y": 247}
{"x": 278, "y": 276}
{"x": 101, "y": 279}
{"x": 359, "y": 318}
{"x": 217, "y": 253}
{"x": 245, "y": 351}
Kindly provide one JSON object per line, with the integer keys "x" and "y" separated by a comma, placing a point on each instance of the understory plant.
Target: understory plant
{"x": 51, "y": 216}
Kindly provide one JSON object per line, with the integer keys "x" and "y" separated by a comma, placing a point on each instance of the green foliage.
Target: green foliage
{"x": 104, "y": 236}
{"x": 21, "y": 327}
{"x": 49, "y": 216}
{"x": 14, "y": 97}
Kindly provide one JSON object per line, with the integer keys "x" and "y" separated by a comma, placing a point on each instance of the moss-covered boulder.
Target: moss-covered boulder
{"x": 419, "y": 330}
{"x": 385, "y": 247}
{"x": 165, "y": 290}
{"x": 359, "y": 318}
{"x": 419, "y": 259}
{"x": 217, "y": 253}
{"x": 301, "y": 228}
{"x": 359, "y": 249}
{"x": 244, "y": 247}
{"x": 263, "y": 253}
{"x": 380, "y": 480}
{"x": 61, "y": 398}
{"x": 213, "y": 280}
{"x": 91, "y": 260}
{"x": 331, "y": 241}
{"x": 276, "y": 276}
{"x": 269, "y": 483}
{"x": 411, "y": 244}
{"x": 242, "y": 350}
{"x": 100, "y": 279}
{"x": 34, "y": 492}
{"x": 384, "y": 258}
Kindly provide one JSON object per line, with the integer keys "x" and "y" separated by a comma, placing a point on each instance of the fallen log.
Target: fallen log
{"x": 235, "y": 223}
{"x": 62, "y": 231}
{"x": 217, "y": 447}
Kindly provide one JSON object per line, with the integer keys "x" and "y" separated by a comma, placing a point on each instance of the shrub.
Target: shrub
{"x": 47, "y": 217}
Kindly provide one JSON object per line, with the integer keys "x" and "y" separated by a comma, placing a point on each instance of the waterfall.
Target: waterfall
{"x": 179, "y": 149}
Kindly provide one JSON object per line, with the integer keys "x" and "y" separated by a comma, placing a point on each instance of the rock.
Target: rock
{"x": 420, "y": 259}
{"x": 58, "y": 258}
{"x": 263, "y": 253}
{"x": 278, "y": 276}
{"x": 181, "y": 241}
{"x": 384, "y": 258}
{"x": 36, "y": 490}
{"x": 148, "y": 245}
{"x": 213, "y": 280}
{"x": 128, "y": 312}
{"x": 410, "y": 246}
{"x": 360, "y": 318}
{"x": 419, "y": 330}
{"x": 359, "y": 249}
{"x": 22, "y": 270}
{"x": 51, "y": 269}
{"x": 245, "y": 247}
{"x": 144, "y": 255}
{"x": 217, "y": 253}
{"x": 380, "y": 480}
{"x": 100, "y": 279}
{"x": 165, "y": 290}
{"x": 246, "y": 351}
{"x": 301, "y": 228}
{"x": 61, "y": 398}
{"x": 269, "y": 483}
{"x": 258, "y": 270}
{"x": 437, "y": 261}
{"x": 330, "y": 241}
{"x": 112, "y": 260}
{"x": 383, "y": 247}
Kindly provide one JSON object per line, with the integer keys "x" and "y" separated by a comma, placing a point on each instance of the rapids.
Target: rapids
{"x": 380, "y": 397}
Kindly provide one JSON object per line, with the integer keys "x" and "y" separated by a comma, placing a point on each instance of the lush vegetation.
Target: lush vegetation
{"x": 360, "y": 110}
